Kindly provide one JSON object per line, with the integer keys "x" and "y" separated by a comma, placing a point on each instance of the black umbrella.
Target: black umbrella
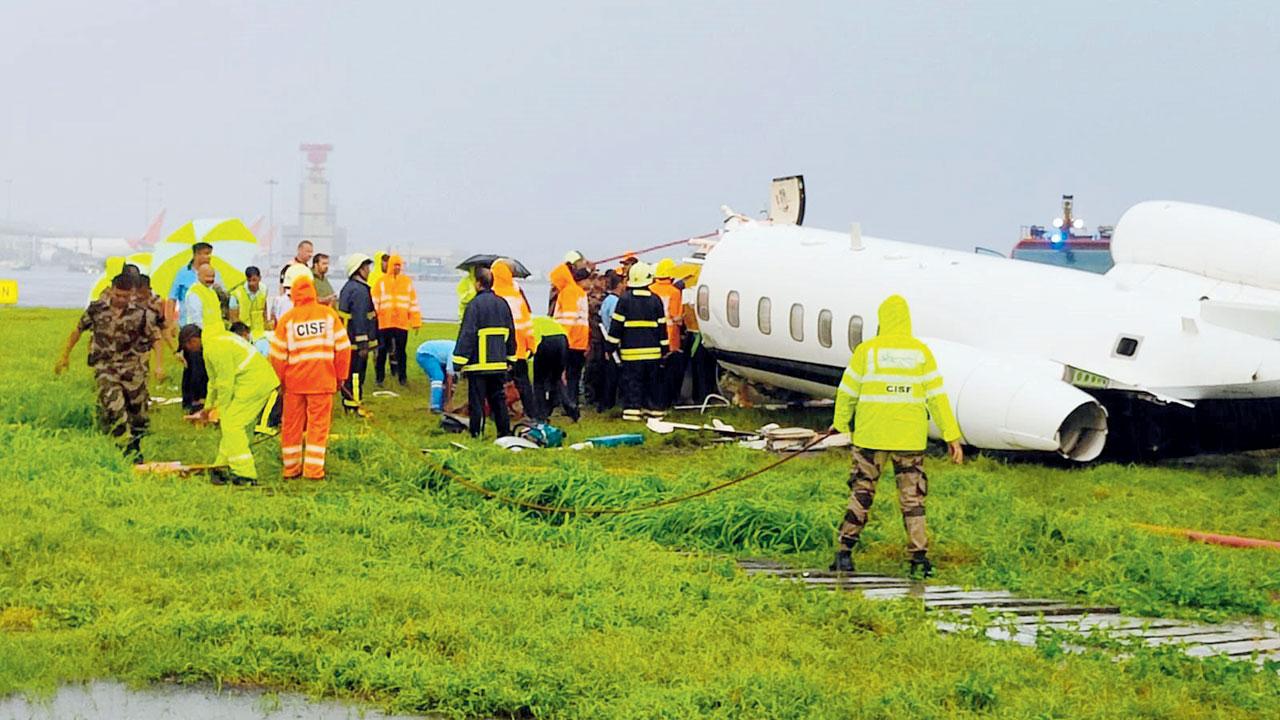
{"x": 485, "y": 260}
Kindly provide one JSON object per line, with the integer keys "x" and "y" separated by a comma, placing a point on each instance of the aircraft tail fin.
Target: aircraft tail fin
{"x": 151, "y": 236}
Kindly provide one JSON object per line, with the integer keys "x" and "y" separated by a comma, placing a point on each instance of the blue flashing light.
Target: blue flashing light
{"x": 1060, "y": 238}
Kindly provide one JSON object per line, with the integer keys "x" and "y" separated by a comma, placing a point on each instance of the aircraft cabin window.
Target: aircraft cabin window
{"x": 855, "y": 331}
{"x": 764, "y": 319}
{"x": 824, "y": 328}
{"x": 1127, "y": 346}
{"x": 797, "y": 322}
{"x": 704, "y": 302}
{"x": 731, "y": 308}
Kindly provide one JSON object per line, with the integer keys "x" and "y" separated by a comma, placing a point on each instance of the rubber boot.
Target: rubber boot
{"x": 920, "y": 563}
{"x": 133, "y": 451}
{"x": 843, "y": 561}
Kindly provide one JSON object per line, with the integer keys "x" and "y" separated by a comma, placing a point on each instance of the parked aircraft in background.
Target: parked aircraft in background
{"x": 100, "y": 248}
{"x": 1034, "y": 357}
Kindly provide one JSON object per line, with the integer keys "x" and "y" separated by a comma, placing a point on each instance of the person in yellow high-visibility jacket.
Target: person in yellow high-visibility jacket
{"x": 890, "y": 391}
{"x": 241, "y": 384}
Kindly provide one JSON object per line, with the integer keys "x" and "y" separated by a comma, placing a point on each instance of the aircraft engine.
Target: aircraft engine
{"x": 1208, "y": 241}
{"x": 1020, "y": 404}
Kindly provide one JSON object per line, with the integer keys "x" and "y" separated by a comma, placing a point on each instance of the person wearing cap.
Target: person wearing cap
{"x": 638, "y": 335}
{"x": 397, "y": 303}
{"x": 311, "y": 354}
{"x": 241, "y": 385}
{"x": 672, "y": 297}
{"x": 355, "y": 303}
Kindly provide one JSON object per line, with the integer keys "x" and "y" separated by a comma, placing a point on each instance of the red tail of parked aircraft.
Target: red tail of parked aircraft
{"x": 150, "y": 237}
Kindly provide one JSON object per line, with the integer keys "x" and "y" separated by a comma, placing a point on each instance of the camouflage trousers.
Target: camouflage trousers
{"x": 908, "y": 471}
{"x": 122, "y": 401}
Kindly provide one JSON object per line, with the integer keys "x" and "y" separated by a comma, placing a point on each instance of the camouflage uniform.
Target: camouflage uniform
{"x": 155, "y": 306}
{"x": 913, "y": 485}
{"x": 118, "y": 348}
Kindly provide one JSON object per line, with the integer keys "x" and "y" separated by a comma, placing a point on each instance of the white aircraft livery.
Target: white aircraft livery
{"x": 1034, "y": 357}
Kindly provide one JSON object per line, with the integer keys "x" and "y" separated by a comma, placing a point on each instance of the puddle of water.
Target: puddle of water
{"x": 113, "y": 701}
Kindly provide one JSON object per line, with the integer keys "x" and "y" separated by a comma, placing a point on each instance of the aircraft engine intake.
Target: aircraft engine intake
{"x": 1011, "y": 404}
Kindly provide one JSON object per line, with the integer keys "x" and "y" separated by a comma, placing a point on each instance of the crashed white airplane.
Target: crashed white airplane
{"x": 1035, "y": 357}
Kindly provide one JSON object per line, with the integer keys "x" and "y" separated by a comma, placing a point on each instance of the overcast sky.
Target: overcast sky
{"x": 531, "y": 128}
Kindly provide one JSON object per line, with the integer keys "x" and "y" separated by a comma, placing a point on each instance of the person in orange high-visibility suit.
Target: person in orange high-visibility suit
{"x": 311, "y": 354}
{"x": 571, "y": 313}
{"x": 397, "y": 304}
{"x": 504, "y": 286}
{"x": 672, "y": 298}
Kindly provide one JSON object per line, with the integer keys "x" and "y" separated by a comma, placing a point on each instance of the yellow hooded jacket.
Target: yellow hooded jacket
{"x": 892, "y": 388}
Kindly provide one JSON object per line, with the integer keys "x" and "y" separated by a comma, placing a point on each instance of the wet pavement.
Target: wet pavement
{"x": 113, "y": 701}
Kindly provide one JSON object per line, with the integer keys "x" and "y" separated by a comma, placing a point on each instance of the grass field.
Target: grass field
{"x": 388, "y": 584}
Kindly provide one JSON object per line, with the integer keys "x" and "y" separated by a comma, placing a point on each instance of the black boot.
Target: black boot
{"x": 920, "y": 563}
{"x": 133, "y": 451}
{"x": 843, "y": 561}
{"x": 242, "y": 480}
{"x": 219, "y": 476}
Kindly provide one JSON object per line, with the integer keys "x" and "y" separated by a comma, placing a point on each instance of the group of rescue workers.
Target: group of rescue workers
{"x": 250, "y": 362}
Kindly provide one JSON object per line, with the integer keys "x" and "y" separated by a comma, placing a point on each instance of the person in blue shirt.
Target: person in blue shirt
{"x": 435, "y": 357}
{"x": 201, "y": 253}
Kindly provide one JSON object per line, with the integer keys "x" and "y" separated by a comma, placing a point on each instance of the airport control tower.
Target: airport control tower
{"x": 317, "y": 216}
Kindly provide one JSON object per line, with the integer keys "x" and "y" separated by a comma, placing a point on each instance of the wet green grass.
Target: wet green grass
{"x": 386, "y": 583}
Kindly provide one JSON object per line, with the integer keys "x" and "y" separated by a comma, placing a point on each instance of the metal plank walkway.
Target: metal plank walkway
{"x": 1026, "y": 618}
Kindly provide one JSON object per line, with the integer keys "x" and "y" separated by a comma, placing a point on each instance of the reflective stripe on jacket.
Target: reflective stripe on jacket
{"x": 505, "y": 287}
{"x": 396, "y": 299}
{"x": 356, "y": 300}
{"x": 892, "y": 388}
{"x": 571, "y": 307}
{"x": 235, "y": 367}
{"x": 310, "y": 349}
{"x": 486, "y": 338}
{"x": 638, "y": 327}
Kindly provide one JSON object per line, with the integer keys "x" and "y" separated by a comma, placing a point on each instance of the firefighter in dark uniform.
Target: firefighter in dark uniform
{"x": 638, "y": 334}
{"x": 484, "y": 352}
{"x": 123, "y": 334}
{"x": 355, "y": 303}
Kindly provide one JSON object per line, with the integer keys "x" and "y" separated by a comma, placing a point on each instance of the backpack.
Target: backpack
{"x": 543, "y": 434}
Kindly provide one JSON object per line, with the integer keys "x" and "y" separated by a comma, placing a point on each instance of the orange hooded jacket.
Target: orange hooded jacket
{"x": 673, "y": 302}
{"x": 309, "y": 348}
{"x": 504, "y": 286}
{"x": 571, "y": 307}
{"x": 395, "y": 299}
